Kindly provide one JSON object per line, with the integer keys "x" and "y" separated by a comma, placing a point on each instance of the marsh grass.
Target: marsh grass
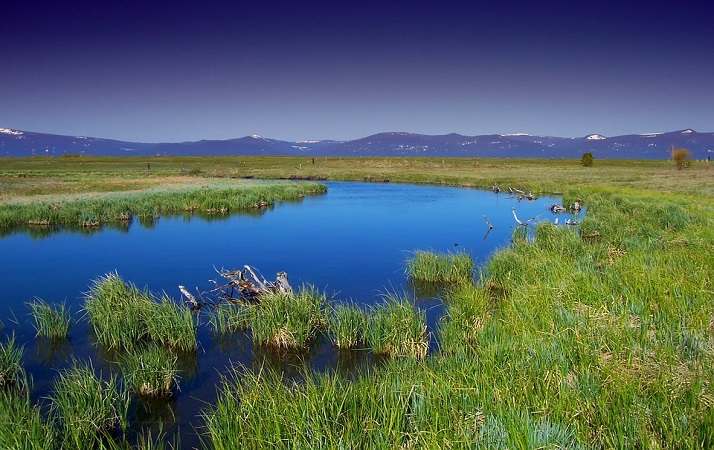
{"x": 347, "y": 326}
{"x": 117, "y": 312}
{"x": 88, "y": 408}
{"x": 122, "y": 316}
{"x": 52, "y": 322}
{"x": 231, "y": 317}
{"x": 288, "y": 321}
{"x": 171, "y": 325}
{"x": 440, "y": 268}
{"x": 213, "y": 197}
{"x": 12, "y": 374}
{"x": 21, "y": 425}
{"x": 150, "y": 372}
{"x": 397, "y": 329}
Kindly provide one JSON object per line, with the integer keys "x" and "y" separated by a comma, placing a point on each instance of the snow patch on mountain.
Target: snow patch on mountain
{"x": 11, "y": 132}
{"x": 514, "y": 134}
{"x": 595, "y": 137}
{"x": 687, "y": 131}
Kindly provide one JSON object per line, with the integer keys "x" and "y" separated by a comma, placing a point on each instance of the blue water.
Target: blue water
{"x": 352, "y": 242}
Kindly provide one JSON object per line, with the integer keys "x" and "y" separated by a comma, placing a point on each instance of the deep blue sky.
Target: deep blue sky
{"x": 154, "y": 71}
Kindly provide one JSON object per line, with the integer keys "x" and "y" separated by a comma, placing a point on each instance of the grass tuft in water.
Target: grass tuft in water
{"x": 347, "y": 325}
{"x": 116, "y": 312}
{"x": 50, "y": 321}
{"x": 171, "y": 325}
{"x": 151, "y": 372}
{"x": 288, "y": 321}
{"x": 397, "y": 328}
{"x": 21, "y": 425}
{"x": 87, "y": 407}
{"x": 12, "y": 374}
{"x": 231, "y": 317}
{"x": 440, "y": 268}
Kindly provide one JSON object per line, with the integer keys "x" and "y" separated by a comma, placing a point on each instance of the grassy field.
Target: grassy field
{"x": 597, "y": 338}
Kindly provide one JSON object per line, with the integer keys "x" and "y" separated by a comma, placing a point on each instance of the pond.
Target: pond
{"x": 352, "y": 242}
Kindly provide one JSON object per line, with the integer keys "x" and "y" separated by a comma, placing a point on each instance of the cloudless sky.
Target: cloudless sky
{"x": 174, "y": 71}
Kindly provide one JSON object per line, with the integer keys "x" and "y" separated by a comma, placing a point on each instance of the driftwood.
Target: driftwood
{"x": 522, "y": 194}
{"x": 555, "y": 208}
{"x": 518, "y": 221}
{"x": 250, "y": 285}
{"x": 189, "y": 298}
{"x": 576, "y": 206}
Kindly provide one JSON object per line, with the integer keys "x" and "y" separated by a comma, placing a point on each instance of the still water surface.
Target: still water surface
{"x": 352, "y": 242}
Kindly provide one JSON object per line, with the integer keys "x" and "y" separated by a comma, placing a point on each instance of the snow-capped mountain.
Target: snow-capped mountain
{"x": 15, "y": 142}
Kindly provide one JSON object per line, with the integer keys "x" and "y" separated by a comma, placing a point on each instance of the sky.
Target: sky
{"x": 174, "y": 71}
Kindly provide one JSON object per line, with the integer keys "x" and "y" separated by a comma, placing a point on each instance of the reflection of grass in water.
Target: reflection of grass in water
{"x": 52, "y": 351}
{"x": 50, "y": 321}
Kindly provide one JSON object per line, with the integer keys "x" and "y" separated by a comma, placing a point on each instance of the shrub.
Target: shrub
{"x": 587, "y": 159}
{"x": 680, "y": 156}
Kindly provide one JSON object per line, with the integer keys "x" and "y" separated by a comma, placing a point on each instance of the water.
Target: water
{"x": 352, "y": 242}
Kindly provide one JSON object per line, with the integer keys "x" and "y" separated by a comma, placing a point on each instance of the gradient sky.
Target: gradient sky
{"x": 153, "y": 71}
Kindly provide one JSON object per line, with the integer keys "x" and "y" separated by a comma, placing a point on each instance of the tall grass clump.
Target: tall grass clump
{"x": 12, "y": 374}
{"x": 151, "y": 372}
{"x": 397, "y": 328}
{"x": 171, "y": 325}
{"x": 440, "y": 268}
{"x": 88, "y": 408}
{"x": 21, "y": 425}
{"x": 50, "y": 321}
{"x": 288, "y": 321}
{"x": 229, "y": 317}
{"x": 347, "y": 326}
{"x": 117, "y": 312}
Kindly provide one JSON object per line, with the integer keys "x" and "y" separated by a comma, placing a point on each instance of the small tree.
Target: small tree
{"x": 587, "y": 159}
{"x": 680, "y": 156}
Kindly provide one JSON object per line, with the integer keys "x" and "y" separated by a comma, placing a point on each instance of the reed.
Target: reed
{"x": 12, "y": 374}
{"x": 229, "y": 317}
{"x": 117, "y": 312}
{"x": 347, "y": 326}
{"x": 150, "y": 372}
{"x": 21, "y": 425}
{"x": 288, "y": 321}
{"x": 50, "y": 321}
{"x": 87, "y": 408}
{"x": 440, "y": 268}
{"x": 171, "y": 325}
{"x": 396, "y": 329}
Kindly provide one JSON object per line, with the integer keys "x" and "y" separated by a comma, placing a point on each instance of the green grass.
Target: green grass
{"x": 117, "y": 312}
{"x": 229, "y": 317}
{"x": 91, "y": 211}
{"x": 50, "y": 321}
{"x": 150, "y": 372}
{"x": 122, "y": 316}
{"x": 88, "y": 409}
{"x": 440, "y": 268}
{"x": 171, "y": 325}
{"x": 288, "y": 321}
{"x": 397, "y": 329}
{"x": 347, "y": 325}
{"x": 12, "y": 374}
{"x": 21, "y": 425}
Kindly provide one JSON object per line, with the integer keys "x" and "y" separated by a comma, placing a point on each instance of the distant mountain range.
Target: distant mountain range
{"x": 519, "y": 145}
